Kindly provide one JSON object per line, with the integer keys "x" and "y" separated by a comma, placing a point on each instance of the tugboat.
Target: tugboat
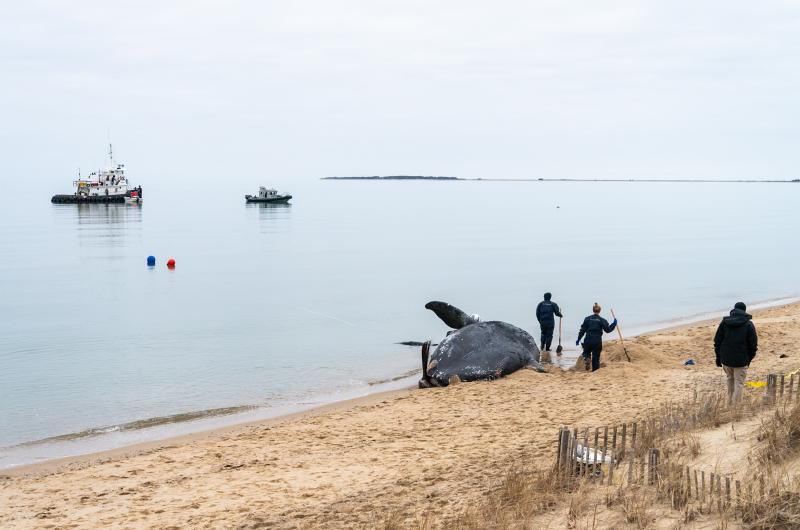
{"x": 268, "y": 195}
{"x": 103, "y": 186}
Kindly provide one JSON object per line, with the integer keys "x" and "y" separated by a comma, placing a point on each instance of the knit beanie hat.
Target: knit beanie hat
{"x": 740, "y": 305}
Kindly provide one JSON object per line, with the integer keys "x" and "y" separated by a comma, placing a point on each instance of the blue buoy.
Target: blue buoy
{"x": 151, "y": 261}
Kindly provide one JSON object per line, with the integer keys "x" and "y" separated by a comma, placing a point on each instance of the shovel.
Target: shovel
{"x": 624, "y": 349}
{"x": 559, "y": 349}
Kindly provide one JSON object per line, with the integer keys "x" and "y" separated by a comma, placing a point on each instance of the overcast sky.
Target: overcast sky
{"x": 305, "y": 89}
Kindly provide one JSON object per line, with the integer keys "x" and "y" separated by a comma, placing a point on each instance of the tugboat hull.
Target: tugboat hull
{"x": 280, "y": 199}
{"x": 75, "y": 199}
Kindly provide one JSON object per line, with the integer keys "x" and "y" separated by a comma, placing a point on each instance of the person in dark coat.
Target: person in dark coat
{"x": 592, "y": 328}
{"x": 546, "y": 312}
{"x": 735, "y": 345}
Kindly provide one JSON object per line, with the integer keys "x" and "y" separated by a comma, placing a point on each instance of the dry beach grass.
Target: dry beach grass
{"x": 756, "y": 447}
{"x": 460, "y": 457}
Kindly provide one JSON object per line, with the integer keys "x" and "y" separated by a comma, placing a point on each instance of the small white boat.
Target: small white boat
{"x": 268, "y": 195}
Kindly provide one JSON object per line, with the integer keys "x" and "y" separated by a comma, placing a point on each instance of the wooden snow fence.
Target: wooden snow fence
{"x": 628, "y": 455}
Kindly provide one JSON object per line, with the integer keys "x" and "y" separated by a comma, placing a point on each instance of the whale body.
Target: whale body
{"x": 476, "y": 350}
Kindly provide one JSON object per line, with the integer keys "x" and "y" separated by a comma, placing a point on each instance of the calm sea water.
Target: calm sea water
{"x": 278, "y": 307}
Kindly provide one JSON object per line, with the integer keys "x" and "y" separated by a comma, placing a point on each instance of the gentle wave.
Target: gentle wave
{"x": 395, "y": 378}
{"x": 142, "y": 424}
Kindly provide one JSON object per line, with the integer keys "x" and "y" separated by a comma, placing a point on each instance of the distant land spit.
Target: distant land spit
{"x": 421, "y": 177}
{"x": 395, "y": 177}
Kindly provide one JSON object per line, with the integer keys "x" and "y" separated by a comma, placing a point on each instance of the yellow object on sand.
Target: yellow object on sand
{"x": 759, "y": 384}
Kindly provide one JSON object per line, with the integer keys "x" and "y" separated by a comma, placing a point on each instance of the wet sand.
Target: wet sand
{"x": 349, "y": 464}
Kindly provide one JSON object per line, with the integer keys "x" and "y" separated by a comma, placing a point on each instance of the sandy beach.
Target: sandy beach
{"x": 408, "y": 452}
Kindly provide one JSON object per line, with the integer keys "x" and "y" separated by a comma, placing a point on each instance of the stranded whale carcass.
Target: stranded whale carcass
{"x": 476, "y": 350}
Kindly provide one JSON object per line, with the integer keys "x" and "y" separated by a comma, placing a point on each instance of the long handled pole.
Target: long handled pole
{"x": 559, "y": 349}
{"x": 621, "y": 340}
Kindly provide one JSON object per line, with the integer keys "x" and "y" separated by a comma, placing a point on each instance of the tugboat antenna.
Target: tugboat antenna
{"x": 110, "y": 154}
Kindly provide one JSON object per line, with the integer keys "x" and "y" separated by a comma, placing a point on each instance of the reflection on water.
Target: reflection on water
{"x": 271, "y": 212}
{"x": 104, "y": 213}
{"x": 101, "y": 224}
{"x": 269, "y": 206}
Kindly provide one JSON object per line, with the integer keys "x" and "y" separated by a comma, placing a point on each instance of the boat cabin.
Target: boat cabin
{"x": 265, "y": 193}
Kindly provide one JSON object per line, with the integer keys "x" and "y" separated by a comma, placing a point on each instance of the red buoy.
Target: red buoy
{"x": 170, "y": 263}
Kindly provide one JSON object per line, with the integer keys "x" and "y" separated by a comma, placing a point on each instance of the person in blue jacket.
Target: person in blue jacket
{"x": 592, "y": 328}
{"x": 546, "y": 312}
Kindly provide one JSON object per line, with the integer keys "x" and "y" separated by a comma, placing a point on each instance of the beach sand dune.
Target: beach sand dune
{"x": 409, "y": 452}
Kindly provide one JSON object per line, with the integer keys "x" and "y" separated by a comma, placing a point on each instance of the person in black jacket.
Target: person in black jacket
{"x": 735, "y": 345}
{"x": 546, "y": 312}
{"x": 593, "y": 327}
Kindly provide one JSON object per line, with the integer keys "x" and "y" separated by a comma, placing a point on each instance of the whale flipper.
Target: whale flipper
{"x": 536, "y": 366}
